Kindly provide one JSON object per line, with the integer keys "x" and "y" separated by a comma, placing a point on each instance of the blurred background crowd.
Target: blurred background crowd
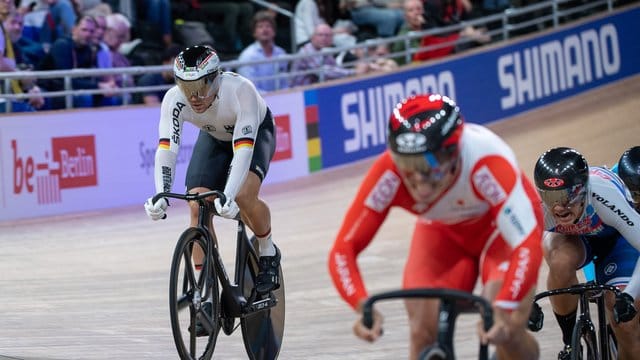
{"x": 85, "y": 34}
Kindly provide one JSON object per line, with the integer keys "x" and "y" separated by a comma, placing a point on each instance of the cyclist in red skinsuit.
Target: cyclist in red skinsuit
{"x": 477, "y": 215}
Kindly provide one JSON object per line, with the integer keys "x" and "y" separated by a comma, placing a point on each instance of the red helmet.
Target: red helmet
{"x": 424, "y": 132}
{"x": 424, "y": 123}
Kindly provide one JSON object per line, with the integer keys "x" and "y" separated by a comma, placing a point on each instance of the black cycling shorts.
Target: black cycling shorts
{"x": 211, "y": 158}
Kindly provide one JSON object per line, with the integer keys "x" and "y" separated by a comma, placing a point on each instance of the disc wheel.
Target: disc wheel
{"x": 262, "y": 332}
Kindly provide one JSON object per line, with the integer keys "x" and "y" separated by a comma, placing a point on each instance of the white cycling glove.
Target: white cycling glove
{"x": 156, "y": 211}
{"x": 229, "y": 210}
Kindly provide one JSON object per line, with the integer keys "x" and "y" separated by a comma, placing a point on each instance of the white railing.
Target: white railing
{"x": 548, "y": 14}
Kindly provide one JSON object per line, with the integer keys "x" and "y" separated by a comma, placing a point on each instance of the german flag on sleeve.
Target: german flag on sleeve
{"x": 164, "y": 144}
{"x": 242, "y": 143}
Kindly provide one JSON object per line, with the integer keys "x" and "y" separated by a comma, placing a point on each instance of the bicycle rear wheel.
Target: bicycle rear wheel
{"x": 262, "y": 331}
{"x": 584, "y": 344}
{"x": 193, "y": 300}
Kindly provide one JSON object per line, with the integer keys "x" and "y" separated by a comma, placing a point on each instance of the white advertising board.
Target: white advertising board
{"x": 71, "y": 161}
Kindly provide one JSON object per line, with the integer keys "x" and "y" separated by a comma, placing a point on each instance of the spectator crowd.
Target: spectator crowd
{"x": 90, "y": 34}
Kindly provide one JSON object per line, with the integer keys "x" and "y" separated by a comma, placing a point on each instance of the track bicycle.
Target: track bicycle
{"x": 452, "y": 303}
{"x": 586, "y": 342}
{"x": 198, "y": 309}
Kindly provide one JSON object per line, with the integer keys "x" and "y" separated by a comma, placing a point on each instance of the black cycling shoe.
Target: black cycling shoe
{"x": 565, "y": 354}
{"x": 268, "y": 278}
{"x": 200, "y": 329}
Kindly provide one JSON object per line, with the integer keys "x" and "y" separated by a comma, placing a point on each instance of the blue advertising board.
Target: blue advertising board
{"x": 488, "y": 86}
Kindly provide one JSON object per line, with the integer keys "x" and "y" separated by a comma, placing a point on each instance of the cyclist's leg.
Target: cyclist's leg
{"x": 564, "y": 254}
{"x": 616, "y": 268}
{"x": 435, "y": 260}
{"x": 255, "y": 212}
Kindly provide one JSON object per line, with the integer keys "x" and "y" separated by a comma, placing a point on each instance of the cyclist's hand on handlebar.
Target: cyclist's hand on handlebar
{"x": 156, "y": 211}
{"x": 363, "y": 332}
{"x": 228, "y": 210}
{"x": 624, "y": 310}
{"x": 501, "y": 330}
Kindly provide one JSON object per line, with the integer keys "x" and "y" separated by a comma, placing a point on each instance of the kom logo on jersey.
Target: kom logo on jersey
{"x": 71, "y": 163}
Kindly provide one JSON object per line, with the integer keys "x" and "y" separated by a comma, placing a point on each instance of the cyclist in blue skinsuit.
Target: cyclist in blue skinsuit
{"x": 628, "y": 169}
{"x": 589, "y": 216}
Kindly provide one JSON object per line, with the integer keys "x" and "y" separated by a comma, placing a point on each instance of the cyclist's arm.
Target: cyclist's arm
{"x": 614, "y": 210}
{"x": 361, "y": 222}
{"x": 512, "y": 200}
{"x": 248, "y": 107}
{"x": 169, "y": 140}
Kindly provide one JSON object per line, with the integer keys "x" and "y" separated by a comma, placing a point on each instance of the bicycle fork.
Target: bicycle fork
{"x": 446, "y": 324}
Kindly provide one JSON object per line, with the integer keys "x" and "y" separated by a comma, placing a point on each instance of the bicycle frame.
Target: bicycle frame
{"x": 235, "y": 303}
{"x": 453, "y": 303}
{"x": 589, "y": 292}
{"x": 211, "y": 300}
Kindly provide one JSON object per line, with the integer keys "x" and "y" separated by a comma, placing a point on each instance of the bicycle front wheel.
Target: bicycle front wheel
{"x": 584, "y": 344}
{"x": 193, "y": 299}
{"x": 262, "y": 331}
{"x": 435, "y": 352}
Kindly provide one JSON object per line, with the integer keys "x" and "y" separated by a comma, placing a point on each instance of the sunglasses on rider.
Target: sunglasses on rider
{"x": 567, "y": 198}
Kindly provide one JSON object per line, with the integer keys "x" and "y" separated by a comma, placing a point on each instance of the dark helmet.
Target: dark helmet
{"x": 424, "y": 123}
{"x": 629, "y": 171}
{"x": 629, "y": 168}
{"x": 561, "y": 176}
{"x": 196, "y": 69}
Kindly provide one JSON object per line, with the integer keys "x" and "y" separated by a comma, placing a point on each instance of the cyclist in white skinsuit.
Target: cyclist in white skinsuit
{"x": 233, "y": 151}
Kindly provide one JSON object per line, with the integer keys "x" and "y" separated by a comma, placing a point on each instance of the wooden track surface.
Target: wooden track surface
{"x": 94, "y": 285}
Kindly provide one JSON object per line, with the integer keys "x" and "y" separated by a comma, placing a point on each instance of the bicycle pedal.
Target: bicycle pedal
{"x": 228, "y": 325}
{"x": 200, "y": 330}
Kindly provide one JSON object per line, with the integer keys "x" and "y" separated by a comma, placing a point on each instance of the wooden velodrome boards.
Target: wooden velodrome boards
{"x": 94, "y": 285}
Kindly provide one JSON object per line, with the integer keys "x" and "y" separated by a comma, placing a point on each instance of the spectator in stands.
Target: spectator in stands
{"x": 10, "y": 60}
{"x": 103, "y": 54}
{"x": 157, "y": 13}
{"x": 385, "y": 16}
{"x": 413, "y": 21}
{"x": 376, "y": 58}
{"x": 164, "y": 78}
{"x": 236, "y": 22}
{"x": 368, "y": 59}
{"x": 264, "y": 48}
{"x": 344, "y": 33}
{"x": 64, "y": 15}
{"x": 307, "y": 17}
{"x": 117, "y": 32}
{"x": 7, "y": 60}
{"x": 73, "y": 53}
{"x": 440, "y": 13}
{"x": 324, "y": 64}
{"x": 35, "y": 18}
{"x": 28, "y": 53}
{"x": 284, "y": 26}
{"x": 47, "y": 20}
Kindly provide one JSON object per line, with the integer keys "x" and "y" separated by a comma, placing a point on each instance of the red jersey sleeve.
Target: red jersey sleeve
{"x": 364, "y": 217}
{"x": 514, "y": 204}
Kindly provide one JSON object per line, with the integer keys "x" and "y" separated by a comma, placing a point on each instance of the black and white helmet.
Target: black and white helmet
{"x": 196, "y": 69}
